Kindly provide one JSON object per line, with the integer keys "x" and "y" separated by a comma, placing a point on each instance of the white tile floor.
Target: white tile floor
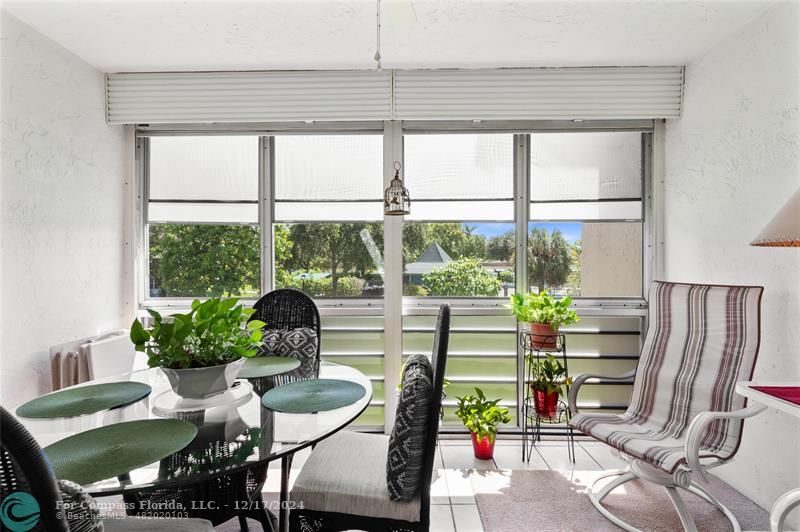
{"x": 453, "y": 507}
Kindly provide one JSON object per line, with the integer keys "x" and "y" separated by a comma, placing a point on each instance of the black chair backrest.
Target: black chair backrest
{"x": 287, "y": 308}
{"x": 24, "y": 468}
{"x": 441, "y": 339}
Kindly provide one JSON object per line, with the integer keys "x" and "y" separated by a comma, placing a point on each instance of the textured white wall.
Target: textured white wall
{"x": 731, "y": 163}
{"x": 62, "y": 207}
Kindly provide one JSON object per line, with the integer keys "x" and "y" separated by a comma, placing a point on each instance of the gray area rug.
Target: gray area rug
{"x": 554, "y": 501}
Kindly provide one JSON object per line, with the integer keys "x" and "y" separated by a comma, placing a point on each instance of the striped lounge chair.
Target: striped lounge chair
{"x": 684, "y": 417}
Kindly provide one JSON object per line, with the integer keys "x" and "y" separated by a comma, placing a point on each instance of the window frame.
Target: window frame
{"x": 394, "y": 306}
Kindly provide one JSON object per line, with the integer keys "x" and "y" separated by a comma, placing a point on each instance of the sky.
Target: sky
{"x": 570, "y": 230}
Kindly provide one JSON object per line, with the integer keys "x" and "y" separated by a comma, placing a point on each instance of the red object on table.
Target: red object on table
{"x": 787, "y": 393}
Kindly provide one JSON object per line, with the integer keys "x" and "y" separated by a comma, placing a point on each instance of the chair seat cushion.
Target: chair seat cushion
{"x": 645, "y": 441}
{"x": 346, "y": 474}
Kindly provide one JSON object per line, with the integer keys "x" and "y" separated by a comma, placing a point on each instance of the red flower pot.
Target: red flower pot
{"x": 546, "y": 404}
{"x": 543, "y": 337}
{"x": 483, "y": 449}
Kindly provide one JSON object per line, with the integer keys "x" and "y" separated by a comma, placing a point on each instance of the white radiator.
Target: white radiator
{"x": 93, "y": 357}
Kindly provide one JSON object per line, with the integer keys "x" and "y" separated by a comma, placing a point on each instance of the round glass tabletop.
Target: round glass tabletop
{"x": 231, "y": 437}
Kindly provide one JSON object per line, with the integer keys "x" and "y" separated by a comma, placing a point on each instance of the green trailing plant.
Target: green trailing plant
{"x": 549, "y": 374}
{"x": 543, "y": 308}
{"x": 481, "y": 416}
{"x": 212, "y": 333}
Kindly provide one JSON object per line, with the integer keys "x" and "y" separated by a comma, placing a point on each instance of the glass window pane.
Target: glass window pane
{"x": 459, "y": 166}
{"x": 448, "y": 211}
{"x": 585, "y": 259}
{"x": 204, "y": 260}
{"x": 204, "y": 168}
{"x": 569, "y": 166}
{"x": 330, "y": 259}
{"x": 230, "y": 213}
{"x": 593, "y": 210}
{"x": 458, "y": 259}
{"x": 329, "y": 167}
{"x": 347, "y": 211}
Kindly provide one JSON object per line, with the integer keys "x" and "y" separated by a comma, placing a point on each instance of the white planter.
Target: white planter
{"x": 201, "y": 383}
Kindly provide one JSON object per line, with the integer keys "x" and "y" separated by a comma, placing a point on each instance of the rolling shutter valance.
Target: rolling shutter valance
{"x": 499, "y": 94}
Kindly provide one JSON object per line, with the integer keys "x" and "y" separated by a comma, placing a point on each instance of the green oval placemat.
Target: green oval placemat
{"x": 113, "y": 450}
{"x": 313, "y": 395}
{"x": 81, "y": 400}
{"x": 267, "y": 366}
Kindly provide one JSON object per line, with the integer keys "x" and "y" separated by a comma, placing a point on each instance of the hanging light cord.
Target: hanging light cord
{"x": 378, "y": 36}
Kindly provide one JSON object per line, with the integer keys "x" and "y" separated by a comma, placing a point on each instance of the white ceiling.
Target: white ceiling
{"x": 165, "y": 35}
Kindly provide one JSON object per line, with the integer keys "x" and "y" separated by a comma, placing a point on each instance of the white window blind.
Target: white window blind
{"x": 203, "y": 179}
{"x": 460, "y": 176}
{"x": 328, "y": 178}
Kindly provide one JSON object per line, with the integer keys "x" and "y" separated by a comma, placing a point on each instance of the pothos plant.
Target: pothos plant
{"x": 481, "y": 416}
{"x": 549, "y": 374}
{"x": 212, "y": 333}
{"x": 543, "y": 308}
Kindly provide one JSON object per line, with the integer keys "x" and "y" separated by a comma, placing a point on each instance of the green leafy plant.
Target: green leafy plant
{"x": 549, "y": 374}
{"x": 462, "y": 277}
{"x": 213, "y": 333}
{"x": 543, "y": 308}
{"x": 480, "y": 415}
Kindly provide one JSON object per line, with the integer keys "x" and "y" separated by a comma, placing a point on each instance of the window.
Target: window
{"x": 456, "y": 240}
{"x": 202, "y": 216}
{"x": 320, "y": 203}
{"x": 328, "y": 239}
{"x": 585, "y": 233}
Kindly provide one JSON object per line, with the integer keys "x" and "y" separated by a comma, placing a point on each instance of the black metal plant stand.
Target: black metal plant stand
{"x": 532, "y": 421}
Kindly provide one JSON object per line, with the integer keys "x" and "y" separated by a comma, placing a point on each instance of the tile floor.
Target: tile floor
{"x": 453, "y": 507}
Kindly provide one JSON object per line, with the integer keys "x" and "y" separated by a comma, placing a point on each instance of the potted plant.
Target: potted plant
{"x": 549, "y": 375}
{"x": 481, "y": 417}
{"x": 201, "y": 351}
{"x": 545, "y": 313}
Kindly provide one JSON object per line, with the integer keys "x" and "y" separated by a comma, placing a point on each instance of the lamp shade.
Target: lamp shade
{"x": 784, "y": 229}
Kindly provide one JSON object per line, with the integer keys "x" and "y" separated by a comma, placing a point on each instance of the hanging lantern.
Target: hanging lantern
{"x": 395, "y": 198}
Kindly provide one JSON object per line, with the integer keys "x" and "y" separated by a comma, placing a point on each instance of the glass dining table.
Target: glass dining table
{"x": 231, "y": 438}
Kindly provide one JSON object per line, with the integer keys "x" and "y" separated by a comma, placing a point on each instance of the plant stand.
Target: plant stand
{"x": 531, "y": 420}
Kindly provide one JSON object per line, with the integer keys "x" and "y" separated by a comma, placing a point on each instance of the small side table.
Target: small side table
{"x": 532, "y": 421}
{"x": 789, "y": 500}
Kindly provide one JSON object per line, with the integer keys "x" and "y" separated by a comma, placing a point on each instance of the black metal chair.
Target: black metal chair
{"x": 287, "y": 309}
{"x": 25, "y": 468}
{"x": 362, "y": 454}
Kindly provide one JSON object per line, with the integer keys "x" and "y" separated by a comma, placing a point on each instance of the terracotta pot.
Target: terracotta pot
{"x": 483, "y": 449}
{"x": 543, "y": 337}
{"x": 546, "y": 404}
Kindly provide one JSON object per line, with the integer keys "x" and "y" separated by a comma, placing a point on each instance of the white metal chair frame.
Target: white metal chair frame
{"x": 683, "y": 475}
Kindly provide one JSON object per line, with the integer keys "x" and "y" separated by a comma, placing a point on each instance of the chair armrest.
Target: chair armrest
{"x": 694, "y": 435}
{"x": 578, "y": 381}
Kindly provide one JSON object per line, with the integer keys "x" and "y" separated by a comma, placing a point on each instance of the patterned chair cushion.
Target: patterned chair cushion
{"x": 702, "y": 339}
{"x": 299, "y": 343}
{"x": 409, "y": 434}
{"x": 272, "y": 340}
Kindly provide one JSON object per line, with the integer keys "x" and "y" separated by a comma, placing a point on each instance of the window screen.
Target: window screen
{"x": 460, "y": 177}
{"x": 329, "y": 178}
{"x": 203, "y": 179}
